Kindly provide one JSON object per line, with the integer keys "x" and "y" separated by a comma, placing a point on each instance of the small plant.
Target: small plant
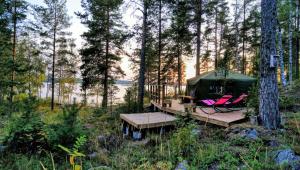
{"x": 253, "y": 101}
{"x": 67, "y": 130}
{"x": 74, "y": 153}
{"x": 26, "y": 134}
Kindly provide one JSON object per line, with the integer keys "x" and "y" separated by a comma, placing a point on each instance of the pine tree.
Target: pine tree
{"x": 5, "y": 52}
{"x": 141, "y": 81}
{"x": 53, "y": 20}
{"x": 198, "y": 22}
{"x": 290, "y": 45}
{"x": 104, "y": 40}
{"x": 180, "y": 36}
{"x": 268, "y": 95}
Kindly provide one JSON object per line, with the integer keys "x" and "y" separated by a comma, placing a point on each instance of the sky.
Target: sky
{"x": 129, "y": 17}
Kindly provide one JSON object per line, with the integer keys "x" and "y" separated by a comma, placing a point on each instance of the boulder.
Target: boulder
{"x": 102, "y": 139}
{"x": 197, "y": 132}
{"x": 182, "y": 166}
{"x": 273, "y": 143}
{"x": 92, "y": 155}
{"x": 250, "y": 134}
{"x": 287, "y": 156}
{"x": 2, "y": 148}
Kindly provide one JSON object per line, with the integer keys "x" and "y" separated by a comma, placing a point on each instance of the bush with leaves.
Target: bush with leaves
{"x": 253, "y": 99}
{"x": 74, "y": 153}
{"x": 26, "y": 134}
{"x": 183, "y": 142}
{"x": 66, "y": 132}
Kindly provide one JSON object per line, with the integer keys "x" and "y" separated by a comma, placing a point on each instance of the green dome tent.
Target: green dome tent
{"x": 214, "y": 84}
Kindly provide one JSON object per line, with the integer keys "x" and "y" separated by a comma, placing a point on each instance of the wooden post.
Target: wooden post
{"x": 163, "y": 90}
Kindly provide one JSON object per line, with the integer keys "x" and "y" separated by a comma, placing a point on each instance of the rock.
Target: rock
{"x": 236, "y": 130}
{"x": 287, "y": 156}
{"x": 197, "y": 132}
{"x": 2, "y": 148}
{"x": 213, "y": 166}
{"x": 250, "y": 134}
{"x": 101, "y": 139}
{"x": 182, "y": 166}
{"x": 273, "y": 143}
{"x": 93, "y": 155}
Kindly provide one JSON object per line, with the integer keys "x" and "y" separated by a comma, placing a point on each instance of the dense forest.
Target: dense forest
{"x": 257, "y": 38}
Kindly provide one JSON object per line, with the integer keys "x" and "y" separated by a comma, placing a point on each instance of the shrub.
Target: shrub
{"x": 65, "y": 132}
{"x": 253, "y": 100}
{"x": 26, "y": 133}
{"x": 286, "y": 102}
{"x": 183, "y": 142}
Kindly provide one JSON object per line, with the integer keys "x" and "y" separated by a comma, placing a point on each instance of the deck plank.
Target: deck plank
{"x": 221, "y": 119}
{"x": 148, "y": 120}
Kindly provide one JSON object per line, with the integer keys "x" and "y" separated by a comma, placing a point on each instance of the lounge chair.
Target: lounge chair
{"x": 215, "y": 104}
{"x": 224, "y": 103}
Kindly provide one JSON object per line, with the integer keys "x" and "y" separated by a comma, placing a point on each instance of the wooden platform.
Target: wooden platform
{"x": 148, "y": 120}
{"x": 221, "y": 119}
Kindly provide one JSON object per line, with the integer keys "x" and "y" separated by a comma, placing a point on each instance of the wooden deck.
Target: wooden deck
{"x": 148, "y": 120}
{"x": 221, "y": 119}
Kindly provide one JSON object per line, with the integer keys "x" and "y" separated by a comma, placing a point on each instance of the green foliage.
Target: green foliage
{"x": 252, "y": 100}
{"x": 286, "y": 102}
{"x": 67, "y": 130}
{"x": 183, "y": 142}
{"x": 27, "y": 133}
{"x": 130, "y": 99}
{"x": 80, "y": 141}
{"x": 100, "y": 111}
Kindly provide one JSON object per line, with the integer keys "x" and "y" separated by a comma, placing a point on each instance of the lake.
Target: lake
{"x": 92, "y": 99}
{"x": 78, "y": 94}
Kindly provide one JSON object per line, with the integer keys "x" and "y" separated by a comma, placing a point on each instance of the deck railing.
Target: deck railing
{"x": 157, "y": 92}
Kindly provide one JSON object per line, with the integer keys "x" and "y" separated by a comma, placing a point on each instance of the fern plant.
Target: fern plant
{"x": 74, "y": 153}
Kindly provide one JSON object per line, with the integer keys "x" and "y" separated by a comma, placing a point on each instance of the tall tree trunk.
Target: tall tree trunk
{"x": 268, "y": 96}
{"x": 290, "y": 46}
{"x": 220, "y": 41}
{"x": 13, "y": 54}
{"x": 53, "y": 61}
{"x": 105, "y": 83}
{"x": 297, "y": 44}
{"x": 216, "y": 39}
{"x": 281, "y": 62}
{"x": 159, "y": 50}
{"x": 244, "y": 25}
{"x": 199, "y": 20}
{"x": 179, "y": 75}
{"x": 237, "y": 57}
{"x": 141, "y": 88}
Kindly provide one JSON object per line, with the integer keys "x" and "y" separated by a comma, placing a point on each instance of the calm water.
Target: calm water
{"x": 91, "y": 99}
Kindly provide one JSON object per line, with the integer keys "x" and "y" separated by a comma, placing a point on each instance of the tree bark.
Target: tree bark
{"x": 13, "y": 54}
{"x": 237, "y": 57}
{"x": 281, "y": 62}
{"x": 244, "y": 20}
{"x": 141, "y": 88}
{"x": 53, "y": 61}
{"x": 105, "y": 83}
{"x": 297, "y": 43}
{"x": 216, "y": 39}
{"x": 159, "y": 50}
{"x": 198, "y": 51}
{"x": 290, "y": 46}
{"x": 268, "y": 96}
